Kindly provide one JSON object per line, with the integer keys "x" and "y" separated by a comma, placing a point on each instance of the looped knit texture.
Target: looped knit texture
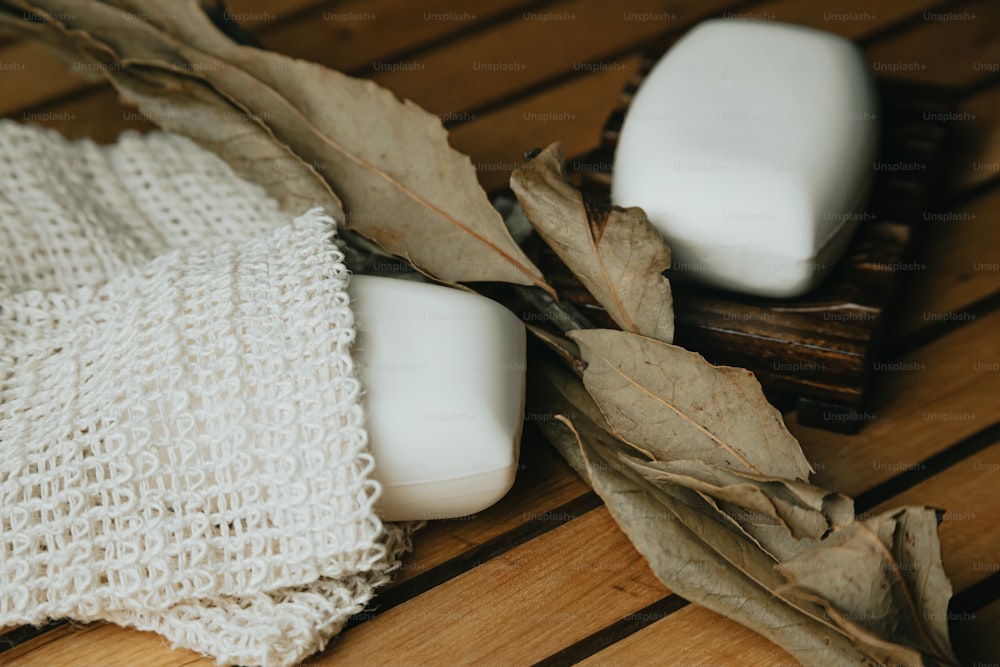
{"x": 182, "y": 433}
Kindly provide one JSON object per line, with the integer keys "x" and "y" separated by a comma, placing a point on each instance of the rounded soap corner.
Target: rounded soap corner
{"x": 491, "y": 492}
{"x": 446, "y": 499}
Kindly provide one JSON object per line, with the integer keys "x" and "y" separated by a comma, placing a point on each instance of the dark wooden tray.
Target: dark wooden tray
{"x": 815, "y": 352}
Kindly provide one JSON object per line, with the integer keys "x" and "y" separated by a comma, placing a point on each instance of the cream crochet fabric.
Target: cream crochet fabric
{"x": 183, "y": 442}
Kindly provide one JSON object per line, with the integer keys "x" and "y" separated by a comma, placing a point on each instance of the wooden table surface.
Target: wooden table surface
{"x": 545, "y": 575}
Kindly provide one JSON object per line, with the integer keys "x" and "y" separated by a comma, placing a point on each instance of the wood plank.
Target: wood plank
{"x": 357, "y": 35}
{"x": 100, "y": 644}
{"x": 531, "y": 589}
{"x": 965, "y": 51}
{"x": 970, "y": 544}
{"x": 955, "y": 264}
{"x": 100, "y": 117}
{"x": 929, "y": 402}
{"x": 352, "y": 36}
{"x": 697, "y": 637}
{"x": 572, "y": 113}
{"x": 490, "y": 146}
{"x": 969, "y": 550}
{"x": 544, "y": 482}
{"x": 977, "y": 146}
{"x": 442, "y": 544}
{"x": 562, "y": 38}
{"x": 693, "y": 637}
{"x": 541, "y": 596}
{"x": 32, "y": 74}
{"x": 256, "y": 14}
{"x": 534, "y": 51}
{"x": 41, "y": 76}
{"x": 863, "y": 18}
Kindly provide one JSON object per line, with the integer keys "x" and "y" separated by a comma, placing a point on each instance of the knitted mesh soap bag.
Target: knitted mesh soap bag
{"x": 183, "y": 441}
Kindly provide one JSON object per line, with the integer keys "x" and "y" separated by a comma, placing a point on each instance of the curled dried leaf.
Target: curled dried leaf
{"x": 882, "y": 580}
{"x": 402, "y": 185}
{"x": 615, "y": 252}
{"x": 672, "y": 404}
{"x": 689, "y": 548}
{"x": 783, "y": 517}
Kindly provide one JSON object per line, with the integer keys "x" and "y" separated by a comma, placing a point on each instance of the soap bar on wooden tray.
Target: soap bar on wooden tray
{"x": 749, "y": 145}
{"x": 814, "y": 351}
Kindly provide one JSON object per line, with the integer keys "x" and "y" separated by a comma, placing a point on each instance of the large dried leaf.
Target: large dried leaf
{"x": 615, "y": 252}
{"x": 698, "y": 554}
{"x": 672, "y": 404}
{"x": 401, "y": 183}
{"x": 882, "y": 580}
{"x": 191, "y": 107}
{"x": 784, "y": 517}
{"x": 690, "y": 551}
{"x": 691, "y": 461}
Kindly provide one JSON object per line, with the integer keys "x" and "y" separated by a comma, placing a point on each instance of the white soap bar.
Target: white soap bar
{"x": 750, "y": 146}
{"x": 443, "y": 376}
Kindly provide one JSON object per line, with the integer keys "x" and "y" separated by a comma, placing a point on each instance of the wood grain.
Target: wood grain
{"x": 967, "y": 493}
{"x": 255, "y": 14}
{"x": 99, "y": 644}
{"x": 962, "y": 54}
{"x": 572, "y": 113}
{"x": 36, "y": 75}
{"x": 933, "y": 399}
{"x": 354, "y": 36}
{"x": 544, "y": 482}
{"x": 977, "y": 145}
{"x": 42, "y": 76}
{"x": 863, "y": 19}
{"x": 545, "y": 594}
{"x": 530, "y": 601}
{"x": 955, "y": 265}
{"x": 691, "y": 637}
{"x": 551, "y": 42}
{"x": 967, "y": 539}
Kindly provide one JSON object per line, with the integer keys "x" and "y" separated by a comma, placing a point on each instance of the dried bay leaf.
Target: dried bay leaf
{"x": 783, "y": 517}
{"x": 691, "y": 461}
{"x": 808, "y": 510}
{"x": 882, "y": 580}
{"x": 616, "y": 253}
{"x": 401, "y": 183}
{"x": 249, "y": 148}
{"x": 189, "y": 106}
{"x": 672, "y": 404}
{"x": 691, "y": 552}
{"x": 816, "y": 617}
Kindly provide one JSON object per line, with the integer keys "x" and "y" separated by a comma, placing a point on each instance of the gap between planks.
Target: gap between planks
{"x": 953, "y": 483}
{"x": 543, "y": 560}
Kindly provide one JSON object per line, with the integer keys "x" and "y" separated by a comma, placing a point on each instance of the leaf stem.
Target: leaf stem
{"x": 561, "y": 314}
